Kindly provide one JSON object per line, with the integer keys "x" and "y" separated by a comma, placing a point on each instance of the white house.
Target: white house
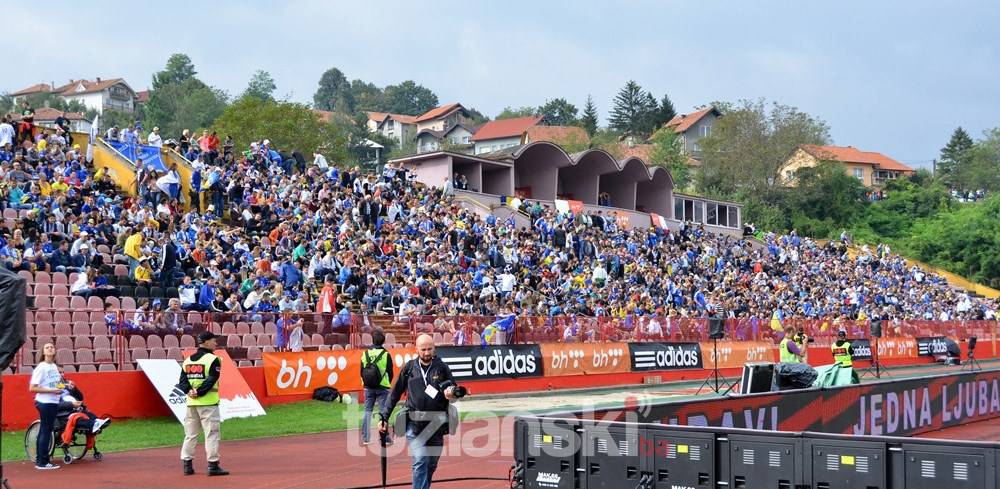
{"x": 98, "y": 94}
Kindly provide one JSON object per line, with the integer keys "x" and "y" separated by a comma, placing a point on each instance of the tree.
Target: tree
{"x": 609, "y": 140}
{"x": 6, "y": 103}
{"x": 476, "y": 117}
{"x": 558, "y": 112}
{"x": 634, "y": 111}
{"x": 665, "y": 112}
{"x": 409, "y": 98}
{"x": 334, "y": 93}
{"x": 187, "y": 105}
{"x": 178, "y": 70}
{"x": 748, "y": 146}
{"x": 668, "y": 152}
{"x": 984, "y": 164}
{"x": 261, "y": 86}
{"x": 513, "y": 113}
{"x": 367, "y": 96}
{"x": 825, "y": 200}
{"x": 289, "y": 125}
{"x": 955, "y": 159}
{"x": 589, "y": 119}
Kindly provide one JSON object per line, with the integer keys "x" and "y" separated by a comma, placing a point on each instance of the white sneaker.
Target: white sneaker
{"x": 47, "y": 467}
{"x": 99, "y": 423}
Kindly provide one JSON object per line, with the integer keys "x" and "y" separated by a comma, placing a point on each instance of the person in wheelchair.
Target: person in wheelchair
{"x": 70, "y": 403}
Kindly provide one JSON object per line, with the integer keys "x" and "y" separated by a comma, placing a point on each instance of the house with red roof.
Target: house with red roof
{"x": 503, "y": 133}
{"x": 98, "y": 94}
{"x": 443, "y": 118}
{"x": 873, "y": 169}
{"x": 561, "y": 135}
{"x": 694, "y": 126}
{"x": 401, "y": 128}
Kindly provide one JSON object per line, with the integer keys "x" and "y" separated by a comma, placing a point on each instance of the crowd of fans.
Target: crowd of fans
{"x": 267, "y": 231}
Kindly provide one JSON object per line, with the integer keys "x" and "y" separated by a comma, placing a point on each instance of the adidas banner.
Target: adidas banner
{"x": 861, "y": 349}
{"x": 492, "y": 362}
{"x": 932, "y": 346}
{"x": 664, "y": 356}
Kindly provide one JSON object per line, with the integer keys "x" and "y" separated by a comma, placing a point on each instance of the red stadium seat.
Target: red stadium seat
{"x": 60, "y": 278}
{"x": 61, "y": 290}
{"x": 171, "y": 341}
{"x": 154, "y": 341}
{"x": 43, "y": 278}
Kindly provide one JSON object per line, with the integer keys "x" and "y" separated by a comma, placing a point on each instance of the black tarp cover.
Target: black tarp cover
{"x": 13, "y": 292}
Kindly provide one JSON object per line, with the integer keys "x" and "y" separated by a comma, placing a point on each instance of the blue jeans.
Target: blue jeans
{"x": 424, "y": 453}
{"x": 372, "y": 397}
{"x": 47, "y": 416}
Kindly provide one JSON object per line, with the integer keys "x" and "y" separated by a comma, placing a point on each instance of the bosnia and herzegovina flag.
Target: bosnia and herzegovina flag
{"x": 505, "y": 324}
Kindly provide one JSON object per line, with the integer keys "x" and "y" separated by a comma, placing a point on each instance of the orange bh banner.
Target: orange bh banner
{"x": 733, "y": 354}
{"x": 289, "y": 373}
{"x": 585, "y": 358}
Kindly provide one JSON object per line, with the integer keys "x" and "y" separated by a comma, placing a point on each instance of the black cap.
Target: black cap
{"x": 205, "y": 336}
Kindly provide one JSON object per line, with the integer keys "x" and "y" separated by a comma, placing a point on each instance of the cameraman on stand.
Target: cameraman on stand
{"x": 430, "y": 388}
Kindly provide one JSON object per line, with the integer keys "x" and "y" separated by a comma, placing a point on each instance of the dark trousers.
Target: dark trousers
{"x": 47, "y": 416}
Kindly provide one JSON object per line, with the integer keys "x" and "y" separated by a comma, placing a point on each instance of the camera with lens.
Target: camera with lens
{"x": 459, "y": 391}
{"x": 801, "y": 337}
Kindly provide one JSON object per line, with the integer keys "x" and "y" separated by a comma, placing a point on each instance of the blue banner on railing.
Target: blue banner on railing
{"x": 150, "y": 154}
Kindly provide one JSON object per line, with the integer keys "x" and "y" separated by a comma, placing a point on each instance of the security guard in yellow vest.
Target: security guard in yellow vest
{"x": 200, "y": 376}
{"x": 842, "y": 350}
{"x": 789, "y": 350}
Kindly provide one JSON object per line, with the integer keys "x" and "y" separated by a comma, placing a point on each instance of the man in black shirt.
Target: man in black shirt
{"x": 430, "y": 387}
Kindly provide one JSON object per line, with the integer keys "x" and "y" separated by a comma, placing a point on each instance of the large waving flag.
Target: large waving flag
{"x": 776, "y": 320}
{"x": 505, "y": 324}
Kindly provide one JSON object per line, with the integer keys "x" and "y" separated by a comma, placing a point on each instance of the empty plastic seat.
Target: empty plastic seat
{"x": 139, "y": 354}
{"x": 98, "y": 329}
{"x": 194, "y": 317}
{"x": 242, "y": 328}
{"x": 107, "y": 367}
{"x": 141, "y": 291}
{"x": 61, "y": 303}
{"x": 43, "y": 289}
{"x": 61, "y": 290}
{"x": 64, "y": 356}
{"x": 128, "y": 303}
{"x": 154, "y": 342}
{"x": 136, "y": 341}
{"x": 44, "y": 329}
{"x": 84, "y": 356}
{"x": 254, "y": 353}
{"x": 121, "y": 270}
{"x": 187, "y": 341}
{"x": 82, "y": 342}
{"x": 228, "y": 328}
{"x": 157, "y": 353}
{"x": 81, "y": 329}
{"x": 87, "y": 368}
{"x": 156, "y": 291}
{"x": 77, "y": 303}
{"x": 61, "y": 278}
{"x": 43, "y": 278}
{"x": 175, "y": 353}
{"x": 67, "y": 367}
{"x": 43, "y": 302}
{"x": 171, "y": 341}
{"x": 366, "y": 339}
{"x": 95, "y": 304}
{"x": 64, "y": 342}
{"x": 269, "y": 328}
{"x": 102, "y": 342}
{"x": 79, "y": 315}
{"x": 96, "y": 317}
{"x": 112, "y": 303}
{"x": 248, "y": 340}
{"x": 233, "y": 341}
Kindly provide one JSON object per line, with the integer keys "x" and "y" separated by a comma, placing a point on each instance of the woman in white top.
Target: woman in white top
{"x": 46, "y": 384}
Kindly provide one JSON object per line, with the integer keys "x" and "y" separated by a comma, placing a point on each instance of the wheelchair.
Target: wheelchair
{"x": 81, "y": 440}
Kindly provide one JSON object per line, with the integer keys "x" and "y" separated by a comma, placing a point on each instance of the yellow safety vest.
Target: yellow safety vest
{"x": 787, "y": 356}
{"x": 841, "y": 354}
{"x": 382, "y": 364}
{"x": 196, "y": 372}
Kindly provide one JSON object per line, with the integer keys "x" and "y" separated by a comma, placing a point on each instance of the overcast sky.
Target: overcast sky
{"x": 889, "y": 76}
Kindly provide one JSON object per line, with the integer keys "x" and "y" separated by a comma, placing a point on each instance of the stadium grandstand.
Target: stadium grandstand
{"x": 258, "y": 242}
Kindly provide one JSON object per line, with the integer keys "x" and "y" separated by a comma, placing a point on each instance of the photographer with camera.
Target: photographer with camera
{"x": 791, "y": 349}
{"x": 426, "y": 417}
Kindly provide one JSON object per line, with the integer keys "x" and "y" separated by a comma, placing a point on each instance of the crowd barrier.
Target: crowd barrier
{"x": 554, "y": 453}
{"x": 291, "y": 373}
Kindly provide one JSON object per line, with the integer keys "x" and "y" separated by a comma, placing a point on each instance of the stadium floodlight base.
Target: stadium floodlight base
{"x": 715, "y": 381}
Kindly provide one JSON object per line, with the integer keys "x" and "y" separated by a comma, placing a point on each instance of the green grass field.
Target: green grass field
{"x": 282, "y": 419}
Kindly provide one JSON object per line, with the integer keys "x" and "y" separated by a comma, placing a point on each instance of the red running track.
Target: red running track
{"x": 328, "y": 460}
